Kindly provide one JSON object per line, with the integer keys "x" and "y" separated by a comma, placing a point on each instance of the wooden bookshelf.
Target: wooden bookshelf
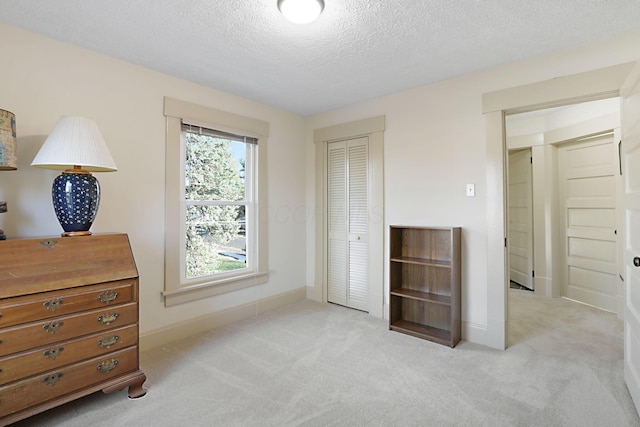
{"x": 425, "y": 283}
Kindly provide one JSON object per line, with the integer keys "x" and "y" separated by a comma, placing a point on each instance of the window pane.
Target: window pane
{"x": 214, "y": 168}
{"x": 216, "y": 239}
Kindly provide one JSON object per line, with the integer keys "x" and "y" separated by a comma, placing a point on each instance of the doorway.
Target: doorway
{"x": 574, "y": 167}
{"x": 596, "y": 84}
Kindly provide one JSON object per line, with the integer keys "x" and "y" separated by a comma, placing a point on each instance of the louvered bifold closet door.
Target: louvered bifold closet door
{"x": 348, "y": 223}
{"x": 337, "y": 223}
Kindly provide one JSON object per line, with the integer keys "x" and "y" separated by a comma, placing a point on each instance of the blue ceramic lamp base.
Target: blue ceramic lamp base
{"x": 76, "y": 196}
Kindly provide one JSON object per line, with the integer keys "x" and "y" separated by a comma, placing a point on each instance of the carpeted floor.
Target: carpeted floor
{"x": 311, "y": 364}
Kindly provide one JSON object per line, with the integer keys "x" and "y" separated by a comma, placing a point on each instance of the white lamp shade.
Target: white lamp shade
{"x": 75, "y": 141}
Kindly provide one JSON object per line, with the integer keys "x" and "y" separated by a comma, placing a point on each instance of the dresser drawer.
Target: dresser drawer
{"x": 56, "y": 383}
{"x": 36, "y": 334}
{"x": 22, "y": 365}
{"x": 14, "y": 311}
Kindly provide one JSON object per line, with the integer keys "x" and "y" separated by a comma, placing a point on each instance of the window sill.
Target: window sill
{"x": 198, "y": 291}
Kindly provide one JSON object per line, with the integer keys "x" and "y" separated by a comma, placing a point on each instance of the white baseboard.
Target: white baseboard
{"x": 474, "y": 333}
{"x": 312, "y": 294}
{"x": 159, "y": 337}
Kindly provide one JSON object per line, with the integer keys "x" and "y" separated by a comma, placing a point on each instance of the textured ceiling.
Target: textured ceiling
{"x": 356, "y": 50}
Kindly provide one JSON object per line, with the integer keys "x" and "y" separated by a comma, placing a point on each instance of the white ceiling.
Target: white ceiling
{"x": 356, "y": 50}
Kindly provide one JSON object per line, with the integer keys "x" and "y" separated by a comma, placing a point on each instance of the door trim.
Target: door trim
{"x": 588, "y": 86}
{"x": 373, "y": 128}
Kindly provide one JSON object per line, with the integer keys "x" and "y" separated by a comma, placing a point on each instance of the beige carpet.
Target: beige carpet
{"x": 311, "y": 364}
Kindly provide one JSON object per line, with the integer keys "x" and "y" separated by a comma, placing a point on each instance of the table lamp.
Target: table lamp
{"x": 76, "y": 147}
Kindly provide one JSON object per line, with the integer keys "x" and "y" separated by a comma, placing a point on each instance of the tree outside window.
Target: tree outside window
{"x": 217, "y": 202}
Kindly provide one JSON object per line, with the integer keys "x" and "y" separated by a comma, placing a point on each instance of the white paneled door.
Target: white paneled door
{"x": 348, "y": 219}
{"x": 631, "y": 173}
{"x": 587, "y": 172}
{"x": 520, "y": 218}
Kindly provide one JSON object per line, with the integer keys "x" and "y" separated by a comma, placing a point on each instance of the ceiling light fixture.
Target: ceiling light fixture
{"x": 301, "y": 11}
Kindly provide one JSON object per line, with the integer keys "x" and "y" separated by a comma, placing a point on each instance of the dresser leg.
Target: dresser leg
{"x": 134, "y": 381}
{"x": 136, "y": 390}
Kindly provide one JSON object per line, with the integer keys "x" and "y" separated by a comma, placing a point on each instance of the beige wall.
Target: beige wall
{"x": 43, "y": 79}
{"x": 435, "y": 144}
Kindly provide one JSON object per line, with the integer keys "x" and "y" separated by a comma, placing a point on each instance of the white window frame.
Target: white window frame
{"x": 178, "y": 288}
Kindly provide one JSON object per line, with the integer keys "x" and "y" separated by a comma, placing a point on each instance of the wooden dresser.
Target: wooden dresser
{"x": 68, "y": 321}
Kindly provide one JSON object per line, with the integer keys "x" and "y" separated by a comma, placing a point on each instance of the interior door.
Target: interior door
{"x": 520, "y": 218}
{"x": 348, "y": 223}
{"x": 587, "y": 173}
{"x": 631, "y": 172}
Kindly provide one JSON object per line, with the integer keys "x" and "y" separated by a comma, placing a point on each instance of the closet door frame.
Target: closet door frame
{"x": 373, "y": 129}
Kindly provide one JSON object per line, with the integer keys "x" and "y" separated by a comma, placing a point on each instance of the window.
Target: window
{"x": 215, "y": 241}
{"x": 219, "y": 208}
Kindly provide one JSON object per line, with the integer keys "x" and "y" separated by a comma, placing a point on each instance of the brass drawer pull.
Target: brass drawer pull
{"x": 107, "y": 342}
{"x": 108, "y": 296}
{"x": 108, "y": 318}
{"x": 108, "y": 365}
{"x": 53, "y": 327}
{"x": 52, "y": 379}
{"x": 54, "y": 304}
{"x": 52, "y": 353}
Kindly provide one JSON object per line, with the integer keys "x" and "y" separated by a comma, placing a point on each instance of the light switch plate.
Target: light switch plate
{"x": 471, "y": 190}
